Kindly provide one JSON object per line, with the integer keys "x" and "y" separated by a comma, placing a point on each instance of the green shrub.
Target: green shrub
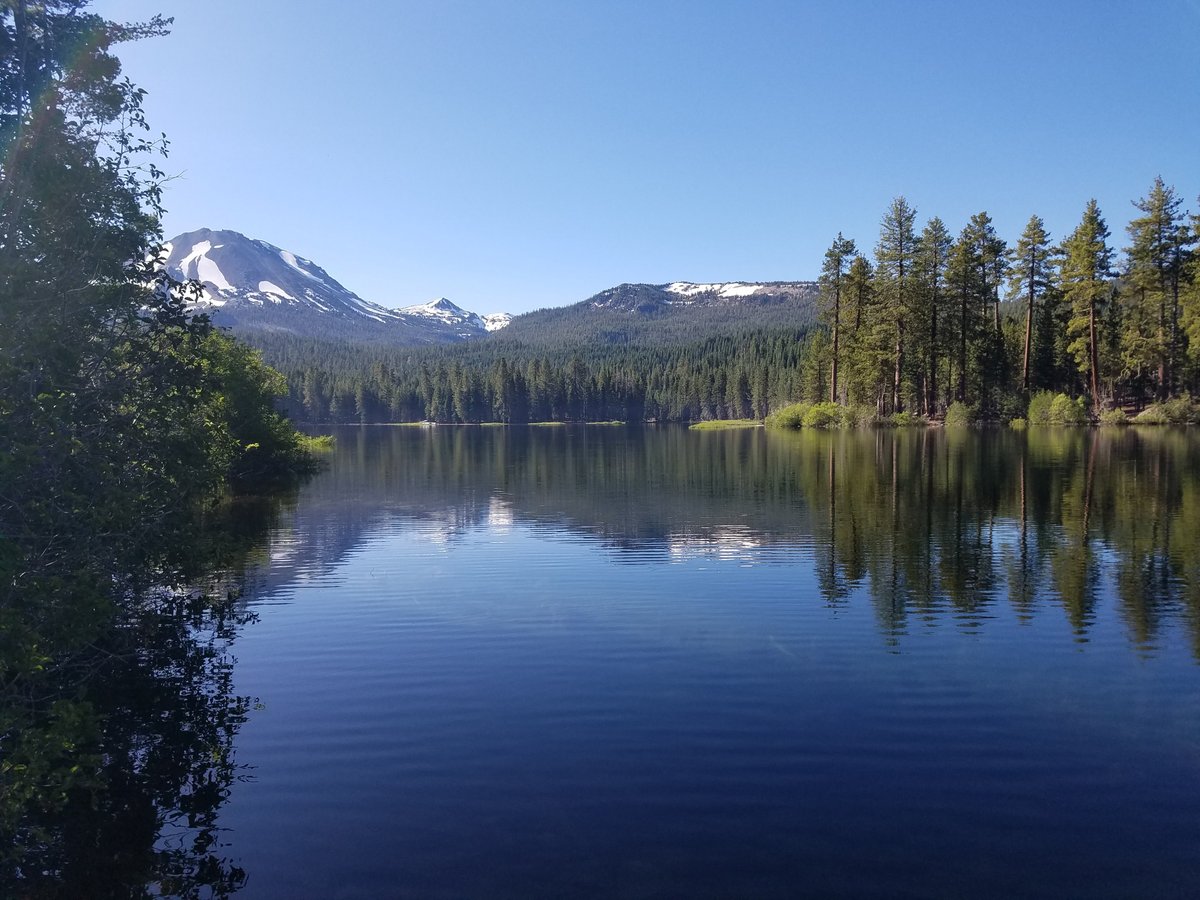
{"x": 715, "y": 424}
{"x": 1017, "y": 424}
{"x": 959, "y": 415}
{"x": 858, "y": 416}
{"x": 823, "y": 415}
{"x": 1180, "y": 411}
{"x": 1039, "y": 408}
{"x": 1065, "y": 411}
{"x": 788, "y": 417}
{"x": 318, "y": 443}
{"x": 905, "y": 420}
{"x": 1114, "y": 417}
{"x": 1152, "y": 415}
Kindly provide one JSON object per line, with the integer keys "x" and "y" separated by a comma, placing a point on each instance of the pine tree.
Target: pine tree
{"x": 1156, "y": 257}
{"x": 1086, "y": 273}
{"x": 833, "y": 273}
{"x": 894, "y": 258}
{"x": 1032, "y": 276}
{"x": 860, "y": 295}
{"x": 962, "y": 279}
{"x": 932, "y": 258}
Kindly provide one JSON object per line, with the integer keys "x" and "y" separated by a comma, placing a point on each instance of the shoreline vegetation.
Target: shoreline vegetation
{"x": 724, "y": 424}
{"x": 128, "y": 425}
{"x": 1045, "y": 409}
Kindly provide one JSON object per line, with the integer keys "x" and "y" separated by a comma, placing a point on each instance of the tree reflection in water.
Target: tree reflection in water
{"x": 117, "y": 728}
{"x": 118, "y": 724}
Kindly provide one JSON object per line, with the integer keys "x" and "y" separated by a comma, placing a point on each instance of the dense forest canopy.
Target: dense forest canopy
{"x": 923, "y": 320}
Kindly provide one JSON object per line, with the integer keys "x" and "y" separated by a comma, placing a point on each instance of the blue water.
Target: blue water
{"x": 597, "y": 662}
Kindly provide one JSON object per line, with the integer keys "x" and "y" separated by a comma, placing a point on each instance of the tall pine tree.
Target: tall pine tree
{"x": 1086, "y": 280}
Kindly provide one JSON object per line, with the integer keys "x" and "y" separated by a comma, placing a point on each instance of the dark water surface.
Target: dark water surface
{"x": 568, "y": 661}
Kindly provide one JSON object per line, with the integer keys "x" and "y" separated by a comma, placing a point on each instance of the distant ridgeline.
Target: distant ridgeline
{"x": 677, "y": 352}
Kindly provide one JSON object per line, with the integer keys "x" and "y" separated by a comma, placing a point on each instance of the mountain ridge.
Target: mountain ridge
{"x": 252, "y": 286}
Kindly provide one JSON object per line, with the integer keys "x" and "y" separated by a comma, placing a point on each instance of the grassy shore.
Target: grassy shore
{"x": 724, "y": 424}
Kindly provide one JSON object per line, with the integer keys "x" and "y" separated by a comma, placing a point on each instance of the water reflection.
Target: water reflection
{"x": 117, "y": 744}
{"x": 930, "y": 526}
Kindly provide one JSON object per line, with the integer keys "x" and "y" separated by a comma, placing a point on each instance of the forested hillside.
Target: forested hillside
{"x": 739, "y": 374}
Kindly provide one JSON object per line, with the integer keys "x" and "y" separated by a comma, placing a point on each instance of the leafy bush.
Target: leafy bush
{"x": 318, "y": 443}
{"x": 1065, "y": 411}
{"x": 905, "y": 420}
{"x": 1114, "y": 417}
{"x": 1017, "y": 424}
{"x": 1180, "y": 411}
{"x": 858, "y": 416}
{"x": 1039, "y": 408}
{"x": 788, "y": 417}
{"x": 823, "y": 415}
{"x": 959, "y": 415}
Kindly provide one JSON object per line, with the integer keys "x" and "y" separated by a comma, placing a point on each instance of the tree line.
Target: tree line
{"x": 735, "y": 375}
{"x": 928, "y": 319}
{"x": 933, "y": 318}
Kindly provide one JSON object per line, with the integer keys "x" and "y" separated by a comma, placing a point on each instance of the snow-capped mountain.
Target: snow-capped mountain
{"x": 251, "y": 285}
{"x": 464, "y": 323}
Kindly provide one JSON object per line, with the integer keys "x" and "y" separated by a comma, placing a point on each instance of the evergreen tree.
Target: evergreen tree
{"x": 962, "y": 279}
{"x": 931, "y": 263}
{"x": 895, "y": 256}
{"x": 1156, "y": 258}
{"x": 1086, "y": 273}
{"x": 1031, "y": 278}
{"x": 833, "y": 272}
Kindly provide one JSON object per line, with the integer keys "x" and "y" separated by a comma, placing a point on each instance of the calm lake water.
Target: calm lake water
{"x": 591, "y": 661}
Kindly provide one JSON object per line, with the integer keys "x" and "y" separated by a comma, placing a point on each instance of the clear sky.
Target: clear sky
{"x": 528, "y": 153}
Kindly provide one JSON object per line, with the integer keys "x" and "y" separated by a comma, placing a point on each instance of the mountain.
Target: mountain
{"x": 252, "y": 286}
{"x": 664, "y": 313}
{"x": 258, "y": 289}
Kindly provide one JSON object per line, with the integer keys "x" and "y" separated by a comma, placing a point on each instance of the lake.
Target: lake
{"x": 599, "y": 661}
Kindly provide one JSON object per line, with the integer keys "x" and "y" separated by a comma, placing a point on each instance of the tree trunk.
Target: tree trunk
{"x": 962, "y": 349}
{"x": 1028, "y": 331}
{"x": 837, "y": 318}
{"x": 1093, "y": 356}
{"x": 932, "y": 394}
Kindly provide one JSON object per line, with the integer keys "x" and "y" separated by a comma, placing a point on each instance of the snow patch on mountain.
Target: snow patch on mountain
{"x": 690, "y": 290}
{"x": 268, "y": 288}
{"x": 495, "y": 321}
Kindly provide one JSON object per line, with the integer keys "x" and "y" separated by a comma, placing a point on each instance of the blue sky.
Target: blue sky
{"x": 515, "y": 155}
